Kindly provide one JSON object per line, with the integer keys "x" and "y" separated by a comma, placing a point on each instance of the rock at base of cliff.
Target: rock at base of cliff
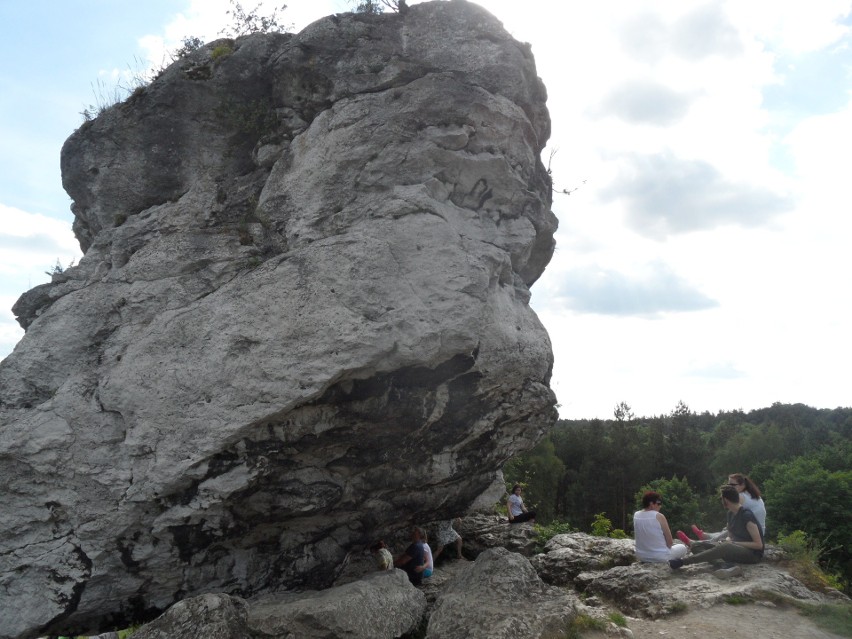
{"x": 501, "y": 596}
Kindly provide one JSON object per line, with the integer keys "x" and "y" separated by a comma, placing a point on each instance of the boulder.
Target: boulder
{"x": 210, "y": 616}
{"x": 481, "y": 532}
{"x": 501, "y": 596}
{"x": 655, "y": 590}
{"x": 567, "y": 555}
{"x": 606, "y": 572}
{"x": 381, "y": 605}
{"x": 301, "y": 320}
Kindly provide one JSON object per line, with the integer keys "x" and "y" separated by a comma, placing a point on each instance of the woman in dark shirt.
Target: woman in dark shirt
{"x": 745, "y": 539}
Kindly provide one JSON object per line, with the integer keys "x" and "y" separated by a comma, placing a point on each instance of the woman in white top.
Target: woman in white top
{"x": 515, "y": 505}
{"x": 653, "y": 536}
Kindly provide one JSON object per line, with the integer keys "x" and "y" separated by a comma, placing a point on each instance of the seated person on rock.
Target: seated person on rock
{"x": 651, "y": 530}
{"x": 517, "y": 511}
{"x": 428, "y": 565}
{"x": 384, "y": 560}
{"x": 750, "y": 499}
{"x": 745, "y": 539}
{"x": 413, "y": 557}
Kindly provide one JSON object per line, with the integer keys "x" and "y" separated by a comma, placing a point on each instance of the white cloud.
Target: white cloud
{"x": 645, "y": 102}
{"x": 664, "y": 195}
{"x": 652, "y": 291}
{"x": 797, "y": 27}
{"x": 30, "y": 241}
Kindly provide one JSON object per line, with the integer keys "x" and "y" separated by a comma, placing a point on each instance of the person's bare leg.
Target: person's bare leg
{"x": 459, "y": 547}
{"x": 437, "y": 553}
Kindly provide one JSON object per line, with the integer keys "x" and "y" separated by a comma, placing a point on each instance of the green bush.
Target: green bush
{"x": 834, "y": 618}
{"x": 804, "y": 557}
{"x": 808, "y": 495}
{"x": 602, "y": 527}
{"x": 548, "y": 532}
{"x": 221, "y": 51}
{"x": 618, "y": 619}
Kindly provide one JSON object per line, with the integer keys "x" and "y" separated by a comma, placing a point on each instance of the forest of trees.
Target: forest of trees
{"x": 800, "y": 457}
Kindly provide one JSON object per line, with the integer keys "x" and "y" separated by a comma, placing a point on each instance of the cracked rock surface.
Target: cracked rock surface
{"x": 301, "y": 320}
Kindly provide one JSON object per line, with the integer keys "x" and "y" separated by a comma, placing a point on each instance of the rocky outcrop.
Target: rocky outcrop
{"x": 301, "y": 319}
{"x": 481, "y": 532}
{"x": 501, "y": 596}
{"x": 210, "y": 616}
{"x": 382, "y": 605}
{"x": 378, "y": 606}
{"x": 606, "y": 572}
{"x": 566, "y": 556}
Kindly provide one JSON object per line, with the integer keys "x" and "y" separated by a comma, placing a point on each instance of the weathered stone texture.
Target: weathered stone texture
{"x": 301, "y": 320}
{"x": 501, "y": 596}
{"x": 381, "y": 605}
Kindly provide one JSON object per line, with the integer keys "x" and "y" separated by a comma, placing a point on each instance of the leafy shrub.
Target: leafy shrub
{"x": 548, "y": 532}
{"x": 221, "y": 51}
{"x": 245, "y": 22}
{"x": 835, "y": 618}
{"x": 804, "y": 561}
{"x": 601, "y": 526}
{"x": 808, "y": 494}
{"x": 618, "y": 619}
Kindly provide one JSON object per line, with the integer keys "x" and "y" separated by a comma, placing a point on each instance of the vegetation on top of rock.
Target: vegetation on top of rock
{"x": 242, "y": 22}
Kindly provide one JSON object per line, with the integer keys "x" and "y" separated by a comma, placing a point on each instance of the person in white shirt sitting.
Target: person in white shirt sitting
{"x": 651, "y": 531}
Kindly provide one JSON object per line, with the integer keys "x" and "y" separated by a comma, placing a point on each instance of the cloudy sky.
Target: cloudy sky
{"x": 704, "y": 249}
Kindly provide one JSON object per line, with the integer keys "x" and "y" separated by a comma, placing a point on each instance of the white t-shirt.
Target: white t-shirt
{"x": 650, "y": 541}
{"x": 428, "y": 553}
{"x": 515, "y": 504}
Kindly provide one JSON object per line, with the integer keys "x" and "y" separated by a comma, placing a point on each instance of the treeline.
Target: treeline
{"x": 800, "y": 457}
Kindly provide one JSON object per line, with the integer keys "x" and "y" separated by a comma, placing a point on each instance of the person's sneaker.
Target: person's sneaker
{"x": 682, "y": 536}
{"x": 727, "y": 573}
{"x": 674, "y": 564}
{"x": 698, "y": 532}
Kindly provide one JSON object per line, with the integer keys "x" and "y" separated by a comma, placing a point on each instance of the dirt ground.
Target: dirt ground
{"x": 753, "y": 621}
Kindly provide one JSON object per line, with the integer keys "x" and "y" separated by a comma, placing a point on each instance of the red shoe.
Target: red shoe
{"x": 682, "y": 536}
{"x": 698, "y": 532}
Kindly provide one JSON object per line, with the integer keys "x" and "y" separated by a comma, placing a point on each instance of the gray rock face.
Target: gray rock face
{"x": 500, "y": 597}
{"x": 606, "y": 572}
{"x": 301, "y": 320}
{"x": 210, "y": 616}
{"x": 481, "y": 532}
{"x": 382, "y": 605}
{"x": 566, "y": 556}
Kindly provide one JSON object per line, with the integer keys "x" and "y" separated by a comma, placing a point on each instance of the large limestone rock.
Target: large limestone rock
{"x": 500, "y": 597}
{"x": 606, "y": 572}
{"x": 566, "y": 556}
{"x": 382, "y": 605}
{"x": 481, "y": 531}
{"x": 301, "y": 319}
{"x": 210, "y": 616}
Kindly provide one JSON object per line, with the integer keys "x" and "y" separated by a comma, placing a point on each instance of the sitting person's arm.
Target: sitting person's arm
{"x": 667, "y": 532}
{"x": 755, "y": 543}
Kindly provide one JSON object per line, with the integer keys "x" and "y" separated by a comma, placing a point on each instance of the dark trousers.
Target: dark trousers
{"x": 523, "y": 517}
{"x": 710, "y": 551}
